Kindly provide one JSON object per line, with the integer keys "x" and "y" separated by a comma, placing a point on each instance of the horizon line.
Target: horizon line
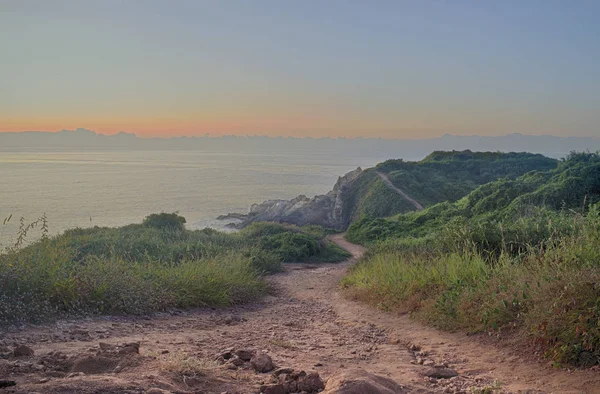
{"x": 212, "y": 136}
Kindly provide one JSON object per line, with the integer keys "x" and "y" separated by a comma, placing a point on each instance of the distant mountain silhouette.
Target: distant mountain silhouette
{"x": 80, "y": 138}
{"x": 84, "y": 140}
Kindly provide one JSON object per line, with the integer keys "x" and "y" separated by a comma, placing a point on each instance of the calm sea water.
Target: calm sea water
{"x": 82, "y": 189}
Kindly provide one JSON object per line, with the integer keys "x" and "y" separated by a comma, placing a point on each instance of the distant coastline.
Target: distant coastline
{"x": 410, "y": 149}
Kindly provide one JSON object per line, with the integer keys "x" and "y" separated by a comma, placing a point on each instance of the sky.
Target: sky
{"x": 372, "y": 68}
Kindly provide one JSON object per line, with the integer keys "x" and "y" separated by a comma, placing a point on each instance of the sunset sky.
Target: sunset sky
{"x": 393, "y": 69}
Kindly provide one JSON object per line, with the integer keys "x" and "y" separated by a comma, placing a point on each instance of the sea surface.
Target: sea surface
{"x": 114, "y": 188}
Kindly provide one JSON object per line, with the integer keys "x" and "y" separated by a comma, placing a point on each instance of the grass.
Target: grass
{"x": 519, "y": 255}
{"x": 549, "y": 292}
{"x": 147, "y": 267}
{"x": 283, "y": 344}
{"x": 184, "y": 365}
{"x": 369, "y": 196}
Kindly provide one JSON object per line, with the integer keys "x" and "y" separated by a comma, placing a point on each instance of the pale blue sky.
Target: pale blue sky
{"x": 405, "y": 69}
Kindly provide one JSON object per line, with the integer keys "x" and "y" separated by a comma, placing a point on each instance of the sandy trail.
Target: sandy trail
{"x": 306, "y": 324}
{"x": 401, "y": 192}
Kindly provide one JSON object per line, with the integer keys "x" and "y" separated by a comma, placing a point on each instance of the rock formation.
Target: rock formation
{"x": 361, "y": 382}
{"x": 324, "y": 210}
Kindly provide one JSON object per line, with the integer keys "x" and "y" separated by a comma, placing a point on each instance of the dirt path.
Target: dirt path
{"x": 305, "y": 324}
{"x": 401, "y": 192}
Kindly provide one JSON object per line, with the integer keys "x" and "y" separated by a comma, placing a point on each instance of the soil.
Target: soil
{"x": 305, "y": 324}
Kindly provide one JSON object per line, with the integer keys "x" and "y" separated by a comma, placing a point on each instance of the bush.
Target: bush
{"x": 265, "y": 229}
{"x": 265, "y": 261}
{"x": 292, "y": 247}
{"x": 289, "y": 243}
{"x": 165, "y": 221}
{"x": 298, "y": 247}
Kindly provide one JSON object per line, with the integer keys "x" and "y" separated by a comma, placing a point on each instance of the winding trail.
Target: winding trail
{"x": 401, "y": 192}
{"x": 305, "y": 323}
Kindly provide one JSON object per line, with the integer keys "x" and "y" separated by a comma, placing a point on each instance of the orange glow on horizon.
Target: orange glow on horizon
{"x": 163, "y": 127}
{"x": 285, "y": 125}
{"x": 216, "y": 123}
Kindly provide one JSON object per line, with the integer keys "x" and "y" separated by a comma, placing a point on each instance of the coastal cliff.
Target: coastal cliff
{"x": 326, "y": 210}
{"x": 394, "y": 187}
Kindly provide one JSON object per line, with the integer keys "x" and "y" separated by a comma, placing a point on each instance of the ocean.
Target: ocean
{"x": 114, "y": 188}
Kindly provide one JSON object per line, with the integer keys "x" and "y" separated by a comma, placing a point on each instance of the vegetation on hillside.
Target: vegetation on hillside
{"x": 369, "y": 196}
{"x": 441, "y": 176}
{"x": 573, "y": 184}
{"x": 449, "y": 176}
{"x": 147, "y": 267}
{"x": 520, "y": 255}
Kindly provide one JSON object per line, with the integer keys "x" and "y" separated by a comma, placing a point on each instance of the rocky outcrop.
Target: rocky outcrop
{"x": 262, "y": 363}
{"x": 324, "y": 210}
{"x": 440, "y": 373}
{"x": 288, "y": 381}
{"x": 23, "y": 351}
{"x": 362, "y": 382}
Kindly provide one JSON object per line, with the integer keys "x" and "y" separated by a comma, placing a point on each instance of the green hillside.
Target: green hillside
{"x": 369, "y": 196}
{"x": 514, "y": 255}
{"x": 449, "y": 176}
{"x": 441, "y": 176}
{"x": 573, "y": 184}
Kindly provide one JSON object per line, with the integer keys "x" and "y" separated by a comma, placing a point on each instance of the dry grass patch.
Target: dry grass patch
{"x": 185, "y": 365}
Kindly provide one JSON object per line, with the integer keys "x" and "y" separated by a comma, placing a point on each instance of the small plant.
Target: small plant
{"x": 283, "y": 344}
{"x": 490, "y": 389}
{"x": 184, "y": 365}
{"x": 25, "y": 229}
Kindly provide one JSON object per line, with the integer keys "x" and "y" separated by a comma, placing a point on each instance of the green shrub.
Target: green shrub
{"x": 289, "y": 243}
{"x": 291, "y": 247}
{"x": 263, "y": 229}
{"x": 265, "y": 261}
{"x": 165, "y": 221}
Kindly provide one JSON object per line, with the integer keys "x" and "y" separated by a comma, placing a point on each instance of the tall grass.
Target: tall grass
{"x": 547, "y": 290}
{"x": 146, "y": 267}
{"x": 52, "y": 279}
